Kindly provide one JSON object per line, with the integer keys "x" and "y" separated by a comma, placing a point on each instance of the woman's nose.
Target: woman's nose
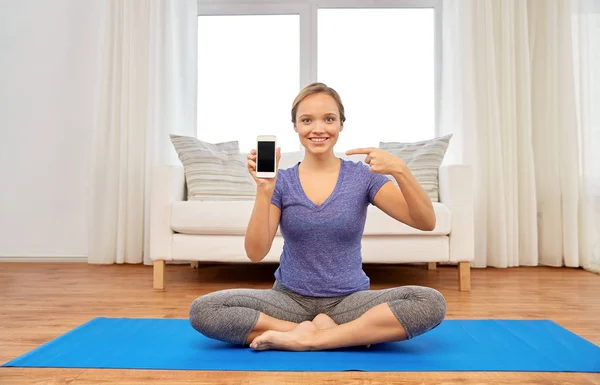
{"x": 319, "y": 127}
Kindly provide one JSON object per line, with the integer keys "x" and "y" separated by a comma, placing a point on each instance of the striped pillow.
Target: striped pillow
{"x": 423, "y": 159}
{"x": 214, "y": 171}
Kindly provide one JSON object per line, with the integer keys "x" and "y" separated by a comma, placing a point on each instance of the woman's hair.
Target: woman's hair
{"x": 316, "y": 88}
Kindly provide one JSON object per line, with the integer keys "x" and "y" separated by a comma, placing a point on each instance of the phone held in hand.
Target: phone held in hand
{"x": 266, "y": 158}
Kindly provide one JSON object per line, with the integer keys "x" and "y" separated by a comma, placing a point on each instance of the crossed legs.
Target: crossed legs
{"x": 270, "y": 319}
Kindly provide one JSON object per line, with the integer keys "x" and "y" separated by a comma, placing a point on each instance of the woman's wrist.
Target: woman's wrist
{"x": 401, "y": 170}
{"x": 264, "y": 192}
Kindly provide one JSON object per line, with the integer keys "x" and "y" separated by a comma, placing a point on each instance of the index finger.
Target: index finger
{"x": 365, "y": 150}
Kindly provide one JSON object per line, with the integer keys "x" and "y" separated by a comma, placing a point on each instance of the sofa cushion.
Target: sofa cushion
{"x": 214, "y": 171}
{"x": 211, "y": 218}
{"x": 379, "y": 223}
{"x": 375, "y": 249}
{"x": 231, "y": 218}
{"x": 423, "y": 159}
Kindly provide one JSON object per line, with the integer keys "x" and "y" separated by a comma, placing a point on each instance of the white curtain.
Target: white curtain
{"x": 586, "y": 48}
{"x": 486, "y": 103}
{"x": 509, "y": 96}
{"x": 147, "y": 89}
{"x": 555, "y": 131}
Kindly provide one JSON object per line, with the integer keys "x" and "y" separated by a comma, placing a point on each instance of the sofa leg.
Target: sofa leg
{"x": 194, "y": 264}
{"x": 464, "y": 276}
{"x": 431, "y": 265}
{"x": 159, "y": 275}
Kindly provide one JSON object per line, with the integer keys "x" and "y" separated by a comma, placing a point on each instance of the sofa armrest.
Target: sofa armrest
{"x": 456, "y": 192}
{"x": 168, "y": 186}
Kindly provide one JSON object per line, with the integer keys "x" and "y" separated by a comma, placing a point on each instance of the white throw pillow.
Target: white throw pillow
{"x": 214, "y": 171}
{"x": 423, "y": 159}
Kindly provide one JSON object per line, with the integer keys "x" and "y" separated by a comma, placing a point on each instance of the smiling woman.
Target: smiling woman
{"x": 321, "y": 298}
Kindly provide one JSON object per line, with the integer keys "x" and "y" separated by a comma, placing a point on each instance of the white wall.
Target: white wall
{"x": 48, "y": 55}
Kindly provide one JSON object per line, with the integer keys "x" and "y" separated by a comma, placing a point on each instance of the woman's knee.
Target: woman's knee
{"x": 204, "y": 311}
{"x": 436, "y": 305}
{"x": 431, "y": 300}
{"x": 226, "y": 315}
{"x": 197, "y": 314}
{"x": 420, "y": 310}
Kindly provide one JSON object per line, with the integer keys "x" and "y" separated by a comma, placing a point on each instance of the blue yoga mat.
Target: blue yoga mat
{"x": 455, "y": 345}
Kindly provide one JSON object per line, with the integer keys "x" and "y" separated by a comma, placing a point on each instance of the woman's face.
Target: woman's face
{"x": 318, "y": 123}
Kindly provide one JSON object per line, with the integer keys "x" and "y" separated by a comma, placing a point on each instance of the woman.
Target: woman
{"x": 321, "y": 297}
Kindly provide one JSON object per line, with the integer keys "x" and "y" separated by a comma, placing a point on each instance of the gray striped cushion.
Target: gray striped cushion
{"x": 423, "y": 159}
{"x": 214, "y": 171}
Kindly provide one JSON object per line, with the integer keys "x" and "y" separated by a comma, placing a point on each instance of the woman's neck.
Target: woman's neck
{"x": 321, "y": 162}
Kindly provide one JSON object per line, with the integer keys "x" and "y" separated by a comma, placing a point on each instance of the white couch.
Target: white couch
{"x": 213, "y": 231}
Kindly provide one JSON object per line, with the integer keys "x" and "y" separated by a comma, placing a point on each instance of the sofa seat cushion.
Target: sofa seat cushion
{"x": 231, "y": 218}
{"x": 379, "y": 223}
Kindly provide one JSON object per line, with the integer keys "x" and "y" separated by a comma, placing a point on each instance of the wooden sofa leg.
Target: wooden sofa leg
{"x": 159, "y": 275}
{"x": 464, "y": 276}
{"x": 431, "y": 265}
{"x": 194, "y": 264}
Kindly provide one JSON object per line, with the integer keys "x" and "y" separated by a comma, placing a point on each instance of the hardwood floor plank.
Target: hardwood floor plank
{"x": 353, "y": 378}
{"x": 42, "y": 301}
{"x": 20, "y": 376}
{"x": 17, "y": 376}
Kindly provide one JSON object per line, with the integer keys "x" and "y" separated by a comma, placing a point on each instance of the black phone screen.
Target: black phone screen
{"x": 266, "y": 157}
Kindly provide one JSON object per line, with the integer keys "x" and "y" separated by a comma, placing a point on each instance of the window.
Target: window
{"x": 381, "y": 62}
{"x": 248, "y": 74}
{"x": 253, "y": 59}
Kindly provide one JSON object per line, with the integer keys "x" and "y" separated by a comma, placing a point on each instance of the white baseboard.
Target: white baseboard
{"x": 45, "y": 259}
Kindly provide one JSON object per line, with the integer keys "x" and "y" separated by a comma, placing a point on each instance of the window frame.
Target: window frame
{"x": 308, "y": 14}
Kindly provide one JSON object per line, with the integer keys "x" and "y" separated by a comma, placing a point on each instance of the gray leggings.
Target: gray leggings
{"x": 230, "y": 315}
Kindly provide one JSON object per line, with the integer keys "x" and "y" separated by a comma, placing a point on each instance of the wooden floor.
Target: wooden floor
{"x": 43, "y": 301}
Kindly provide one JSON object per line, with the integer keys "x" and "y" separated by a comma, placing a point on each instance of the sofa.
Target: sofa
{"x": 213, "y": 230}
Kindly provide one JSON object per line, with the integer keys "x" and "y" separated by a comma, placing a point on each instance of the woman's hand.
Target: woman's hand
{"x": 380, "y": 161}
{"x": 267, "y": 184}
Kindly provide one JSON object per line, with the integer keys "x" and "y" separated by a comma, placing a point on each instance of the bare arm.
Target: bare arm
{"x": 264, "y": 220}
{"x": 262, "y": 227}
{"x": 408, "y": 204}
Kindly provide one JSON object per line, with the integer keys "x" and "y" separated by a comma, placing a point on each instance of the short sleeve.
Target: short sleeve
{"x": 375, "y": 182}
{"x": 277, "y": 194}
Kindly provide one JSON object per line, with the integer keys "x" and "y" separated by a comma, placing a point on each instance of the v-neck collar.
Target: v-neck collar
{"x": 330, "y": 197}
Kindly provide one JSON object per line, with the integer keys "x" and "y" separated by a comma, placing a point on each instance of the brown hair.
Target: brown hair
{"x": 316, "y": 88}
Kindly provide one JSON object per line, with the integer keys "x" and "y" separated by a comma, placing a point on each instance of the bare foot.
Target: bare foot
{"x": 296, "y": 340}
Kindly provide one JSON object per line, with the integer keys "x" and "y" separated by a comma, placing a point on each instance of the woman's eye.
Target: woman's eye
{"x": 305, "y": 120}
{"x": 330, "y": 119}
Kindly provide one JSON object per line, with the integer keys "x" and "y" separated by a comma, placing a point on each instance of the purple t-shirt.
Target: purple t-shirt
{"x": 322, "y": 243}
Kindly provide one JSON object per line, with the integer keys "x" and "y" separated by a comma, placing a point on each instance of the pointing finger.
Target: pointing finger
{"x": 366, "y": 151}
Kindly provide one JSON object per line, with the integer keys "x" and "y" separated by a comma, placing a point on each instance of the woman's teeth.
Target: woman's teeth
{"x": 318, "y": 139}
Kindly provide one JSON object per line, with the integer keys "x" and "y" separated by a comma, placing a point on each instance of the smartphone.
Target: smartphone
{"x": 266, "y": 159}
